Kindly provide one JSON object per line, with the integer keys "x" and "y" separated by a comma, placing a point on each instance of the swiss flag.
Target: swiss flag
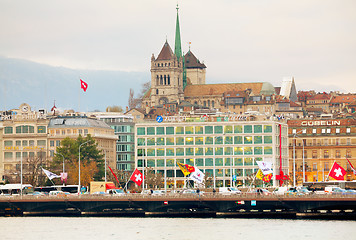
{"x": 137, "y": 177}
{"x": 337, "y": 172}
{"x": 83, "y": 85}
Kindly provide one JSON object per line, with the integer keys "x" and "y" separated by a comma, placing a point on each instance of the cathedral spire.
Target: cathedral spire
{"x": 177, "y": 47}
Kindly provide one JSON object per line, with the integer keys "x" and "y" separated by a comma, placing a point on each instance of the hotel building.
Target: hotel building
{"x": 318, "y": 143}
{"x": 221, "y": 147}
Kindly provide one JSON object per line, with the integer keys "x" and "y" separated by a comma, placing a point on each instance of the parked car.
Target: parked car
{"x": 229, "y": 190}
{"x": 261, "y": 191}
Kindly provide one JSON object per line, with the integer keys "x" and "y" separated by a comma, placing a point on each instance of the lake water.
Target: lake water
{"x": 172, "y": 228}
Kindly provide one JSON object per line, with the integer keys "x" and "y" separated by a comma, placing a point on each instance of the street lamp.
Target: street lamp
{"x": 79, "y": 166}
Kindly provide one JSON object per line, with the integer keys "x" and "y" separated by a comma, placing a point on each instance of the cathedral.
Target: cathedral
{"x": 178, "y": 82}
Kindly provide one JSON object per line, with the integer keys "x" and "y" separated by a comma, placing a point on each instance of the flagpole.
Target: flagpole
{"x": 128, "y": 180}
{"x": 79, "y": 100}
{"x": 330, "y": 170}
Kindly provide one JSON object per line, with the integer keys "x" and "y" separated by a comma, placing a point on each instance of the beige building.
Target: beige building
{"x": 62, "y": 127}
{"x": 315, "y": 144}
{"x": 23, "y": 136}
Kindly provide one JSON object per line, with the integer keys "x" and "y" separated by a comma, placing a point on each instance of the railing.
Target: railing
{"x": 180, "y": 196}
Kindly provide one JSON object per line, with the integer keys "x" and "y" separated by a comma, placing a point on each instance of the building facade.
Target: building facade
{"x": 315, "y": 144}
{"x": 221, "y": 147}
{"x": 61, "y": 127}
{"x": 124, "y": 127}
{"x": 23, "y": 138}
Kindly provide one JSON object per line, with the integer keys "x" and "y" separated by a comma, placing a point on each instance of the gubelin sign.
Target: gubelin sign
{"x": 321, "y": 123}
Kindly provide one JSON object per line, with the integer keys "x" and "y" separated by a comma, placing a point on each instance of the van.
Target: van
{"x": 229, "y": 190}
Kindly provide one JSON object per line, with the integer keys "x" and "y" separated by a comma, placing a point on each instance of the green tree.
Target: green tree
{"x": 91, "y": 159}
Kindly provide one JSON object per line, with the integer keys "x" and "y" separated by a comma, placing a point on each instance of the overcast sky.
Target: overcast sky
{"x": 313, "y": 41}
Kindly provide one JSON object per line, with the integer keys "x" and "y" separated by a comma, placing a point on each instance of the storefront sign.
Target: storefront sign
{"x": 321, "y": 123}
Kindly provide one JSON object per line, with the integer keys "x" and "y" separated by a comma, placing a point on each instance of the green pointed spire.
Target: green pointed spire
{"x": 178, "y": 47}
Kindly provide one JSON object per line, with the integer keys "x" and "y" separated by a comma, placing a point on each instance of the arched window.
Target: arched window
{"x": 169, "y": 80}
{"x": 161, "y": 80}
{"x": 208, "y": 103}
{"x": 165, "y": 80}
{"x": 157, "y": 80}
{"x": 157, "y": 91}
{"x": 213, "y": 104}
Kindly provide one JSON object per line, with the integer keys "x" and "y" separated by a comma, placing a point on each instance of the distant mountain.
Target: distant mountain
{"x": 39, "y": 85}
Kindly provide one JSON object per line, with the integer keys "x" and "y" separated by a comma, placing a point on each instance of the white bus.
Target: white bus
{"x": 15, "y": 189}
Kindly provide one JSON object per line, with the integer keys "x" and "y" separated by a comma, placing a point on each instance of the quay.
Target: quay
{"x": 180, "y": 205}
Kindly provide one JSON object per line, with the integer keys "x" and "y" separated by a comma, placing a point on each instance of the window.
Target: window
{"x": 348, "y": 130}
{"x": 169, "y": 130}
{"x": 328, "y": 130}
{"x": 141, "y": 131}
{"x": 198, "y": 130}
{"x": 248, "y": 129}
{"x": 267, "y": 139}
{"x": 189, "y": 141}
{"x": 189, "y": 130}
{"x": 326, "y": 153}
{"x": 51, "y": 143}
{"x": 257, "y": 139}
{"x": 228, "y": 129}
{"x": 268, "y": 150}
{"x": 238, "y": 151}
{"x": 8, "y": 143}
{"x": 238, "y": 129}
{"x": 41, "y": 142}
{"x": 58, "y": 143}
{"x": 337, "y": 130}
{"x": 180, "y": 141}
{"x": 337, "y": 154}
{"x": 247, "y": 140}
{"x": 218, "y": 129}
{"x": 150, "y": 131}
{"x": 209, "y": 140}
{"x": 208, "y": 129}
{"x": 8, "y": 130}
{"x": 257, "y": 128}
{"x": 169, "y": 141}
{"x": 267, "y": 128}
{"x": 238, "y": 139}
{"x": 315, "y": 154}
{"x": 348, "y": 153}
{"x": 314, "y": 130}
{"x": 323, "y": 130}
{"x": 41, "y": 129}
{"x": 199, "y": 141}
{"x": 179, "y": 130}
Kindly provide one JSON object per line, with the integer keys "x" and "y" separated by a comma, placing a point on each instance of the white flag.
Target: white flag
{"x": 266, "y": 167}
{"x": 197, "y": 176}
{"x": 50, "y": 175}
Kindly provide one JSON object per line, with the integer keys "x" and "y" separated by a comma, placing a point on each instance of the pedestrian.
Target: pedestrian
{"x": 214, "y": 191}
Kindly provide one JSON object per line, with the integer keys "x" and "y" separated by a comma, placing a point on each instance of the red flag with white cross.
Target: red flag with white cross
{"x": 137, "y": 177}
{"x": 337, "y": 172}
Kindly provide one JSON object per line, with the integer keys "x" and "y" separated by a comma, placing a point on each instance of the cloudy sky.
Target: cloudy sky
{"x": 313, "y": 41}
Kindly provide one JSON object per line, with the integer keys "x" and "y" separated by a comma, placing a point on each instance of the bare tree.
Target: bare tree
{"x": 137, "y": 102}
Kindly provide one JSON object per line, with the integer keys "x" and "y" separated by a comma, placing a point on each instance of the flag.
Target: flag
{"x": 137, "y": 177}
{"x": 114, "y": 175}
{"x": 184, "y": 169}
{"x": 83, "y": 85}
{"x": 266, "y": 167}
{"x": 50, "y": 175}
{"x": 64, "y": 177}
{"x": 197, "y": 176}
{"x": 352, "y": 167}
{"x": 265, "y": 178}
{"x": 337, "y": 172}
{"x": 259, "y": 174}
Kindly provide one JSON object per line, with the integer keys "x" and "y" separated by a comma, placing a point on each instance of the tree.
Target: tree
{"x": 137, "y": 102}
{"x": 91, "y": 160}
{"x": 114, "y": 109}
{"x": 33, "y": 166}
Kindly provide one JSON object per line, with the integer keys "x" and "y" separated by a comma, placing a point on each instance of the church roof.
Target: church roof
{"x": 218, "y": 89}
{"x": 192, "y": 62}
{"x": 166, "y": 52}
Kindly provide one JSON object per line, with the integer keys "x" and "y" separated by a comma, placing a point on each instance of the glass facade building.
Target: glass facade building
{"x": 125, "y": 149}
{"x": 225, "y": 151}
